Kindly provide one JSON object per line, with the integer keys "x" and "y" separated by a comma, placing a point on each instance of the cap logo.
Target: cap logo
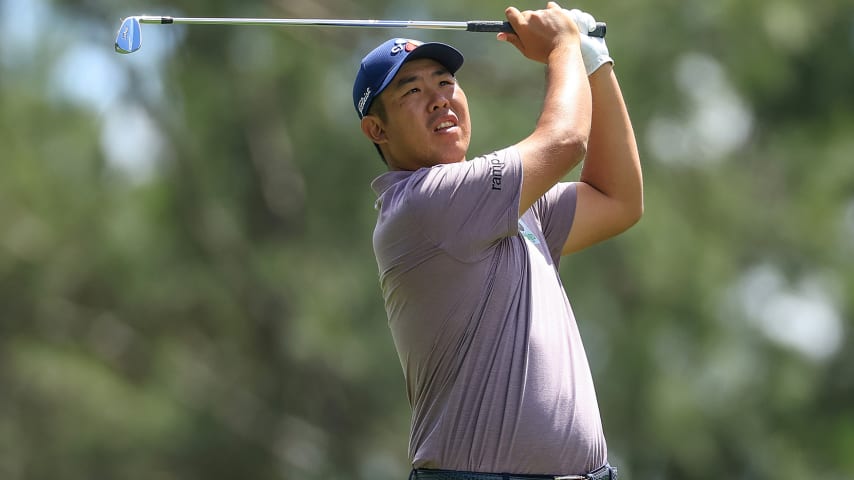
{"x": 404, "y": 45}
{"x": 364, "y": 100}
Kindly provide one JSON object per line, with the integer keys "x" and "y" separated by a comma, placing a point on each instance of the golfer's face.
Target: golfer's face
{"x": 428, "y": 118}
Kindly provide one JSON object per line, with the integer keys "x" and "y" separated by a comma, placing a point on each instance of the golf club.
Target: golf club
{"x": 129, "y": 38}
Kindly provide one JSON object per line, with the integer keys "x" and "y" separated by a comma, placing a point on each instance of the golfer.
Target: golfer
{"x": 468, "y": 250}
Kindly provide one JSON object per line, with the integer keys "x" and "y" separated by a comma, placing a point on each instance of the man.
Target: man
{"x": 496, "y": 375}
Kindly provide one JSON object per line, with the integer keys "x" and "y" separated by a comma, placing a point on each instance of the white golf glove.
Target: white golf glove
{"x": 593, "y": 49}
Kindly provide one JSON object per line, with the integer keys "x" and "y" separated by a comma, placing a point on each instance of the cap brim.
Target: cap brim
{"x": 447, "y": 55}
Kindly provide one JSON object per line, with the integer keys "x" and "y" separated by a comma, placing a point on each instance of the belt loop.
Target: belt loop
{"x": 605, "y": 472}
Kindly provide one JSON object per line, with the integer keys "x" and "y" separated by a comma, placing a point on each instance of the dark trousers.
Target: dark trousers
{"x": 605, "y": 472}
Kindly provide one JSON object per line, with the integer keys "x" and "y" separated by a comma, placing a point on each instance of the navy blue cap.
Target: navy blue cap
{"x": 381, "y": 65}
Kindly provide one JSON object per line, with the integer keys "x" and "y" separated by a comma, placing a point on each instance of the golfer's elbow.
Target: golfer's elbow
{"x": 635, "y": 213}
{"x": 625, "y": 216}
{"x": 571, "y": 148}
{"x": 627, "y": 204}
{"x": 633, "y": 209}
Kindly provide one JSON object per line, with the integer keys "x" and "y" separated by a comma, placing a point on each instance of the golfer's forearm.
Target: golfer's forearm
{"x": 612, "y": 165}
{"x": 564, "y": 122}
{"x": 559, "y": 141}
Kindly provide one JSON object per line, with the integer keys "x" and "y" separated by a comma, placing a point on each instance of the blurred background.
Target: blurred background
{"x": 187, "y": 284}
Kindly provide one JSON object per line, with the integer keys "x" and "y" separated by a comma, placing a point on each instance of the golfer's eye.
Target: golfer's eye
{"x": 445, "y": 83}
{"x": 412, "y": 90}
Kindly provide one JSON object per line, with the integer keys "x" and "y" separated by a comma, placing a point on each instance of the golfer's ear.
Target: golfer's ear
{"x": 373, "y": 128}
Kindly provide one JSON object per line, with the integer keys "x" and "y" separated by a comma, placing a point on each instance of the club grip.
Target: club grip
{"x": 499, "y": 26}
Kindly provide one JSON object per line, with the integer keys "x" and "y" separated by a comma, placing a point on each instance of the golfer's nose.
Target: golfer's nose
{"x": 439, "y": 101}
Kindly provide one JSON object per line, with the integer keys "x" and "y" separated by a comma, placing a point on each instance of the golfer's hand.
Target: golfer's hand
{"x": 538, "y": 33}
{"x": 593, "y": 49}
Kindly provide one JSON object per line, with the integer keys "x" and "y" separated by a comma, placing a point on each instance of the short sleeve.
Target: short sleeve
{"x": 556, "y": 210}
{"x": 466, "y": 207}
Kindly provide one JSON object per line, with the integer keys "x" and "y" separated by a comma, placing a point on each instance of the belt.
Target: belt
{"x": 605, "y": 472}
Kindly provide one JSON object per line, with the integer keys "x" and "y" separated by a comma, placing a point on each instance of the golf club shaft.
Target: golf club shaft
{"x": 470, "y": 26}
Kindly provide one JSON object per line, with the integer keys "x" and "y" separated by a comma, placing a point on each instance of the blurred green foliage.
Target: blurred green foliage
{"x": 187, "y": 286}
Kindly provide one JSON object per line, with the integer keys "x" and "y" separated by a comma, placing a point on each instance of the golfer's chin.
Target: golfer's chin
{"x": 454, "y": 152}
{"x": 439, "y": 153}
{"x": 451, "y": 158}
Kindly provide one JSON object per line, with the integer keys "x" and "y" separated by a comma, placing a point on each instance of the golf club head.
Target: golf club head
{"x": 129, "y": 37}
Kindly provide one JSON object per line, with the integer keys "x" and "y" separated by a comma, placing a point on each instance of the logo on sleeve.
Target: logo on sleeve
{"x": 496, "y": 172}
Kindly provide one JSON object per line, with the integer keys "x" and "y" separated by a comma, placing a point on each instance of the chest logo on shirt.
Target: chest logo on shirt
{"x": 528, "y": 233}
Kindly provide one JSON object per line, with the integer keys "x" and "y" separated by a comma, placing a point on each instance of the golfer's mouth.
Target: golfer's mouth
{"x": 445, "y": 125}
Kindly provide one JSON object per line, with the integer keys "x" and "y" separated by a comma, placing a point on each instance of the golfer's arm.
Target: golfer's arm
{"x": 559, "y": 141}
{"x": 610, "y": 191}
